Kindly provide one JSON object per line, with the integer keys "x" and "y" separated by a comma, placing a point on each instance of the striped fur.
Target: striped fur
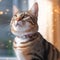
{"x": 28, "y": 43}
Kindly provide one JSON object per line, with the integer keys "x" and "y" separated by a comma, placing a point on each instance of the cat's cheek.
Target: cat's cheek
{"x": 14, "y": 32}
{"x": 13, "y": 26}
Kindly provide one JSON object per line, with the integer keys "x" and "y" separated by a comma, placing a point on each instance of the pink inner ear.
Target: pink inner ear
{"x": 34, "y": 9}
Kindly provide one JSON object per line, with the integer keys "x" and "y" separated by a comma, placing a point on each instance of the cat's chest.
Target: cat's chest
{"x": 27, "y": 49}
{"x": 23, "y": 48}
{"x": 23, "y": 42}
{"x": 32, "y": 42}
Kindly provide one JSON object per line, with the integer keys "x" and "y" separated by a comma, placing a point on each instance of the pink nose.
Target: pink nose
{"x": 19, "y": 18}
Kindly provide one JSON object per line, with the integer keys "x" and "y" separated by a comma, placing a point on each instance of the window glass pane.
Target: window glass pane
{"x": 6, "y": 37}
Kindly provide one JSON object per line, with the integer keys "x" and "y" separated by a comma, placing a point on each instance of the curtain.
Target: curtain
{"x": 56, "y": 23}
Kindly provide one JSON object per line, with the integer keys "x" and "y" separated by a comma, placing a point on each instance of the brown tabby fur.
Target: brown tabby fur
{"x": 29, "y": 44}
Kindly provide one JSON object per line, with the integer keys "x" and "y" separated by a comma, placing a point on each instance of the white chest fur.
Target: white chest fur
{"x": 17, "y": 50}
{"x": 20, "y": 40}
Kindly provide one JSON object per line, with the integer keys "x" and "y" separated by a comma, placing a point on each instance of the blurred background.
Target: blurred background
{"x": 6, "y": 13}
{"x": 48, "y": 20}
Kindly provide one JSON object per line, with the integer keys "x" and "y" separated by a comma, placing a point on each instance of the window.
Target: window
{"x": 6, "y": 38}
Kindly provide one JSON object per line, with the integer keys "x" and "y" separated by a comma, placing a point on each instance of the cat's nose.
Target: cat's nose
{"x": 19, "y": 18}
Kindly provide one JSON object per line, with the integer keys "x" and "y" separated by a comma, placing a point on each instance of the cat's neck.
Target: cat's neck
{"x": 21, "y": 42}
{"x": 26, "y": 38}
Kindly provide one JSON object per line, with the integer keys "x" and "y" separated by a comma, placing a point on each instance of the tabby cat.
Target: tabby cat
{"x": 29, "y": 43}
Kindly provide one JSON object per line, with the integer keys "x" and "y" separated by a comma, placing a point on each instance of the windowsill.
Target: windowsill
{"x": 7, "y": 54}
{"x": 8, "y": 58}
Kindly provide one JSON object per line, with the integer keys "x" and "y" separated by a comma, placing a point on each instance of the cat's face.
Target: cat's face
{"x": 23, "y": 23}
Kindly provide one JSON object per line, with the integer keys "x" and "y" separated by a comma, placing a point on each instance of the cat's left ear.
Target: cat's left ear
{"x": 34, "y": 9}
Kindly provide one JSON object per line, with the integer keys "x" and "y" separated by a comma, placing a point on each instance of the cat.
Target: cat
{"x": 29, "y": 44}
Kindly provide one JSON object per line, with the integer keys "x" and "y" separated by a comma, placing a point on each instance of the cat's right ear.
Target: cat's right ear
{"x": 15, "y": 10}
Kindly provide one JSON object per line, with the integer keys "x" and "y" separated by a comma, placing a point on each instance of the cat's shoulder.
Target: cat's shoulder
{"x": 46, "y": 43}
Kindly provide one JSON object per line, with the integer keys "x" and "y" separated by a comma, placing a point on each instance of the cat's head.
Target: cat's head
{"x": 24, "y": 23}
